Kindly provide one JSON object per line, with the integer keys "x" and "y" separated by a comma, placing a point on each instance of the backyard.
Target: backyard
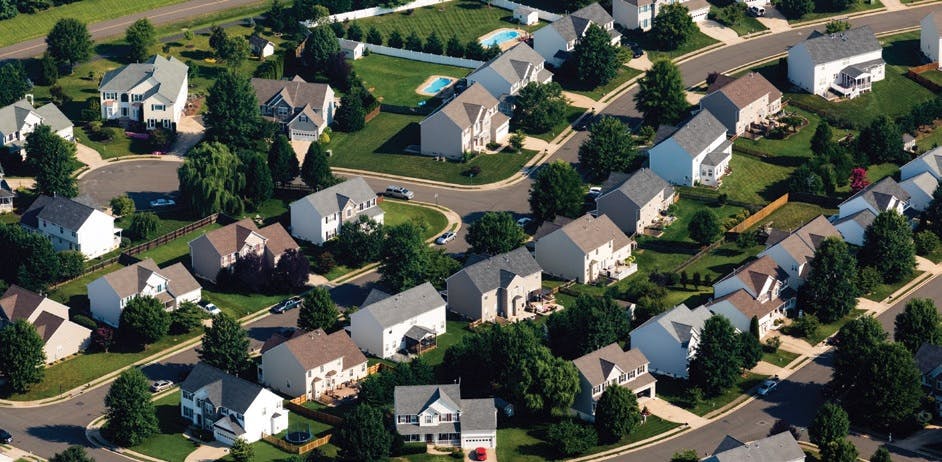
{"x": 754, "y": 181}
{"x": 792, "y": 215}
{"x": 395, "y": 80}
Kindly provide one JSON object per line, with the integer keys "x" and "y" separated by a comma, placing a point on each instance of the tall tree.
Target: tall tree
{"x": 144, "y": 225}
{"x": 16, "y": 82}
{"x": 282, "y": 161}
{"x": 494, "y": 233}
{"x": 888, "y": 390}
{"x": 434, "y": 45}
{"x": 616, "y": 414}
{"x": 556, "y": 191}
{"x": 715, "y": 366}
{"x": 8, "y": 9}
{"x": 318, "y": 311}
{"x": 259, "y": 186}
{"x": 661, "y": 95}
{"x": 315, "y": 171}
{"x": 351, "y": 116}
{"x": 140, "y": 37}
{"x": 69, "y": 42}
{"x": 360, "y": 241}
{"x": 234, "y": 51}
{"x": 932, "y": 216}
{"x": 855, "y": 343}
{"x": 319, "y": 47}
{"x": 831, "y": 423}
{"x": 589, "y": 324}
{"x": 840, "y": 450}
{"x": 609, "y": 148}
{"x": 672, "y": 26}
{"x": 363, "y": 435}
{"x": 888, "y": 246}
{"x": 540, "y": 106}
{"x": 225, "y": 345}
{"x": 882, "y": 141}
{"x": 29, "y": 259}
{"x": 806, "y": 180}
{"x": 374, "y": 37}
{"x": 144, "y": 320}
{"x": 881, "y": 455}
{"x": 72, "y": 454}
{"x": 292, "y": 270}
{"x": 22, "y": 359}
{"x": 822, "y": 138}
{"x": 232, "y": 115}
{"x": 795, "y": 9}
{"x": 919, "y": 323}
{"x": 405, "y": 257}
{"x": 704, "y": 227}
{"x": 132, "y": 417}
{"x": 750, "y": 350}
{"x": 217, "y": 35}
{"x": 186, "y": 318}
{"x": 595, "y": 60}
{"x": 453, "y": 48}
{"x": 211, "y": 179}
{"x": 831, "y": 289}
{"x": 53, "y": 159}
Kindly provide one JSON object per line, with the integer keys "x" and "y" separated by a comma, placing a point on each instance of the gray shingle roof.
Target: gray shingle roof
{"x": 589, "y": 233}
{"x": 476, "y": 414}
{"x": 928, "y": 358}
{"x": 719, "y": 155}
{"x": 53, "y": 117}
{"x": 747, "y": 89}
{"x": 333, "y": 199}
{"x": 411, "y": 400}
{"x": 697, "y": 134}
{"x": 804, "y": 241}
{"x": 405, "y": 305}
{"x": 486, "y": 274}
{"x": 825, "y": 48}
{"x": 132, "y": 279}
{"x": 575, "y": 24}
{"x": 467, "y": 107}
{"x": 62, "y": 211}
{"x": 864, "y": 218}
{"x": 168, "y": 76}
{"x": 924, "y": 181}
{"x": 639, "y": 187}
{"x": 780, "y": 447}
{"x": 222, "y": 389}
{"x": 680, "y": 321}
{"x": 512, "y": 64}
{"x": 14, "y": 115}
{"x": 258, "y": 43}
{"x": 348, "y": 44}
{"x": 597, "y": 365}
{"x": 932, "y": 158}
{"x": 880, "y": 194}
{"x": 296, "y": 92}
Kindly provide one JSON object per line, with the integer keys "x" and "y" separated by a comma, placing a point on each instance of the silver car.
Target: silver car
{"x": 399, "y": 192}
{"x": 445, "y": 238}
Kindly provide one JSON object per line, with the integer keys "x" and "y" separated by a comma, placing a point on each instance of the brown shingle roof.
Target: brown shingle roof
{"x": 230, "y": 238}
{"x": 181, "y": 281}
{"x": 465, "y": 109}
{"x": 19, "y": 303}
{"x": 130, "y": 280}
{"x": 597, "y": 365}
{"x": 279, "y": 240}
{"x": 46, "y": 325}
{"x": 748, "y": 88}
{"x": 590, "y": 233}
{"x": 296, "y": 92}
{"x": 313, "y": 349}
{"x": 749, "y": 306}
{"x": 755, "y": 273}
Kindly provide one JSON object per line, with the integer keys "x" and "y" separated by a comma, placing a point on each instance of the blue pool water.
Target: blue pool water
{"x": 499, "y": 38}
{"x": 437, "y": 85}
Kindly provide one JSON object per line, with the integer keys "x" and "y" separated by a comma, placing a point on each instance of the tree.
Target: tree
{"x": 22, "y": 359}
{"x": 29, "y": 259}
{"x": 805, "y": 180}
{"x": 926, "y": 242}
{"x": 144, "y": 320}
{"x": 556, "y": 191}
{"x": 715, "y": 366}
{"x": 241, "y": 450}
{"x": 856, "y": 342}
{"x": 754, "y": 327}
{"x": 49, "y": 69}
{"x": 186, "y": 318}
{"x": 830, "y": 291}
{"x": 72, "y": 454}
{"x": 363, "y": 436}
{"x": 217, "y": 35}
{"x": 282, "y": 161}
{"x": 132, "y": 417}
{"x": 234, "y": 51}
{"x": 540, "y": 107}
{"x": 588, "y": 325}
{"x": 71, "y": 264}
{"x": 69, "y": 42}
{"x": 688, "y": 455}
{"x": 373, "y": 36}
{"x": 474, "y": 50}
{"x": 571, "y": 438}
{"x": 661, "y": 95}
{"x": 339, "y": 71}
{"x": 821, "y": 141}
{"x": 319, "y": 47}
{"x": 360, "y": 241}
{"x": 405, "y": 257}
{"x": 858, "y": 180}
{"x": 919, "y": 323}
{"x": 122, "y": 205}
{"x": 795, "y": 9}
{"x": 616, "y": 414}
{"x": 103, "y": 338}
{"x": 434, "y": 45}
{"x": 704, "y": 227}
{"x": 413, "y": 42}
{"x": 355, "y": 32}
{"x": 318, "y": 311}
{"x": 750, "y": 350}
{"x": 595, "y": 60}
{"x": 16, "y": 82}
{"x": 211, "y": 179}
{"x": 259, "y": 186}
{"x": 351, "y": 116}
{"x": 8, "y": 9}
{"x": 933, "y": 213}
{"x": 831, "y": 423}
{"x": 882, "y": 141}
{"x": 888, "y": 246}
{"x": 494, "y": 233}
{"x": 395, "y": 39}
{"x": 248, "y": 273}
{"x": 225, "y": 345}
{"x": 292, "y": 270}
{"x": 840, "y": 450}
{"x": 868, "y": 278}
{"x": 517, "y": 140}
{"x": 609, "y": 148}
{"x": 53, "y": 159}
{"x": 140, "y": 37}
{"x": 315, "y": 172}
{"x": 672, "y": 26}
{"x": 144, "y": 225}
{"x": 836, "y": 25}
{"x": 454, "y": 48}
{"x": 881, "y": 455}
{"x": 232, "y": 115}
{"x": 888, "y": 390}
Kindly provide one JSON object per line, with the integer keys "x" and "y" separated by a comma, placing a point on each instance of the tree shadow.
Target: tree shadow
{"x": 349, "y": 295}
{"x": 197, "y": 55}
{"x": 403, "y": 138}
{"x": 62, "y": 433}
{"x": 167, "y": 371}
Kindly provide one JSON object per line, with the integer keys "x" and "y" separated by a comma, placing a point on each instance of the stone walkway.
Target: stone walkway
{"x": 668, "y": 411}
{"x": 719, "y": 31}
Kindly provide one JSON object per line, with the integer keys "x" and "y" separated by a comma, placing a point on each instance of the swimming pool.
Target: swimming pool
{"x": 437, "y": 85}
{"x": 498, "y": 38}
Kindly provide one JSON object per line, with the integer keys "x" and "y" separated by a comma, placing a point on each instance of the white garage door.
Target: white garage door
{"x": 478, "y": 442}
{"x": 699, "y": 15}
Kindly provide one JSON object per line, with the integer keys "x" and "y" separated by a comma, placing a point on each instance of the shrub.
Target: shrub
{"x": 868, "y": 278}
{"x": 161, "y": 139}
{"x": 926, "y": 242}
{"x": 571, "y": 438}
{"x": 122, "y": 205}
{"x": 85, "y": 321}
{"x": 806, "y": 326}
{"x": 475, "y": 170}
{"x": 325, "y": 263}
{"x": 772, "y": 344}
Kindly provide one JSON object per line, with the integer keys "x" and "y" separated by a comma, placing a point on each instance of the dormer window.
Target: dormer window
{"x": 302, "y": 118}
{"x": 282, "y": 110}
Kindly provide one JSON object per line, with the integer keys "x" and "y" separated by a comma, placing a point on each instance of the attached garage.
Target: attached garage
{"x": 479, "y": 441}
{"x": 699, "y": 9}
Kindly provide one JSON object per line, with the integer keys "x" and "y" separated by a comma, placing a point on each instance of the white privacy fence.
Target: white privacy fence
{"x": 424, "y": 57}
{"x": 509, "y": 5}
{"x": 377, "y": 11}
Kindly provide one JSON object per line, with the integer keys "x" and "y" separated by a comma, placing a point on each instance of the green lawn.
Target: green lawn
{"x": 238, "y": 305}
{"x": 121, "y": 145}
{"x": 572, "y": 113}
{"x": 780, "y": 358}
{"x": 820, "y": 14}
{"x": 455, "y": 330}
{"x": 885, "y": 290}
{"x": 176, "y": 250}
{"x": 467, "y": 19}
{"x": 381, "y": 145}
{"x": 396, "y": 80}
{"x": 674, "y": 391}
{"x": 697, "y": 41}
{"x": 827, "y": 330}
{"x": 74, "y": 293}
{"x": 927, "y": 141}
{"x": 624, "y": 74}
{"x": 168, "y": 444}
{"x": 748, "y": 25}
{"x": 753, "y": 181}
{"x": 400, "y": 212}
{"x": 793, "y": 214}
{"x": 793, "y": 150}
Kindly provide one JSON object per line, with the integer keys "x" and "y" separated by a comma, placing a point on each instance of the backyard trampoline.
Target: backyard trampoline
{"x": 299, "y": 434}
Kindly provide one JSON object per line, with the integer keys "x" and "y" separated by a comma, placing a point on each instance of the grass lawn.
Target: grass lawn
{"x": 168, "y": 444}
{"x": 75, "y": 294}
{"x": 267, "y": 452}
{"x": 296, "y": 420}
{"x": 755, "y": 181}
{"x": 926, "y": 141}
{"x": 934, "y": 76}
{"x": 572, "y": 113}
{"x": 674, "y": 391}
{"x": 885, "y": 290}
{"x": 467, "y": 19}
{"x": 794, "y": 214}
{"x": 177, "y": 249}
{"x": 238, "y": 305}
{"x": 780, "y": 358}
{"x": 748, "y": 25}
{"x": 121, "y": 145}
{"x": 395, "y": 80}
{"x": 697, "y": 41}
{"x": 381, "y": 145}
{"x": 827, "y": 330}
{"x": 398, "y": 212}
{"x": 855, "y": 8}
{"x": 455, "y": 330}
{"x": 793, "y": 150}
{"x": 624, "y": 74}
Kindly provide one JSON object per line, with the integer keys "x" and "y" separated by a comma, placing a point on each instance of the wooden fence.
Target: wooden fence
{"x": 297, "y": 449}
{"x": 760, "y": 215}
{"x": 914, "y": 74}
{"x": 319, "y": 416}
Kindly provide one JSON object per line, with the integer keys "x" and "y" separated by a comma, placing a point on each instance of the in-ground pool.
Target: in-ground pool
{"x": 498, "y": 38}
{"x": 437, "y": 85}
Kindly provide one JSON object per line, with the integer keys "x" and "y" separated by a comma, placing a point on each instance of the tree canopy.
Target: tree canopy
{"x": 405, "y": 257}
{"x": 69, "y": 42}
{"x": 616, "y": 414}
{"x": 704, "y": 227}
{"x": 595, "y": 59}
{"x": 882, "y": 141}
{"x": 588, "y": 325}
{"x": 72, "y": 454}
{"x": 22, "y": 359}
{"x": 315, "y": 172}
{"x": 319, "y": 46}
{"x": 888, "y": 246}
{"x": 672, "y": 26}
{"x": 716, "y": 364}
{"x": 144, "y": 320}
{"x": 15, "y": 80}
{"x": 29, "y": 259}
{"x": 609, "y": 148}
{"x": 318, "y": 311}
{"x": 225, "y": 345}
{"x": 830, "y": 291}
{"x": 855, "y": 343}
{"x": 132, "y": 417}
{"x": 232, "y": 116}
{"x": 282, "y": 161}
{"x": 363, "y": 435}
{"x": 831, "y": 423}
{"x": 918, "y": 323}
{"x": 53, "y": 159}
{"x": 540, "y": 107}
{"x": 661, "y": 95}
{"x": 211, "y": 180}
{"x": 888, "y": 390}
{"x": 495, "y": 233}
{"x": 556, "y": 191}
{"x": 140, "y": 37}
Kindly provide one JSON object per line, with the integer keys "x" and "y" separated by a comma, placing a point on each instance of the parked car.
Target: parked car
{"x": 523, "y": 222}
{"x": 162, "y": 202}
{"x": 445, "y": 238}
{"x": 480, "y": 454}
{"x": 768, "y": 385}
{"x": 5, "y": 437}
{"x": 286, "y": 305}
{"x": 756, "y": 11}
{"x": 594, "y": 192}
{"x": 210, "y": 308}
{"x": 399, "y": 192}
{"x": 161, "y": 385}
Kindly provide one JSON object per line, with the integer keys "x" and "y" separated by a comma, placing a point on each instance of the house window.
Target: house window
{"x": 428, "y": 419}
{"x": 303, "y": 118}
{"x": 188, "y": 412}
{"x": 282, "y": 110}
{"x": 188, "y": 396}
{"x": 158, "y": 107}
{"x": 111, "y": 95}
{"x": 137, "y": 98}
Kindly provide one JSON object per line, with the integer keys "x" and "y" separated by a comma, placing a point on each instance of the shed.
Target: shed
{"x": 351, "y": 48}
{"x": 526, "y": 16}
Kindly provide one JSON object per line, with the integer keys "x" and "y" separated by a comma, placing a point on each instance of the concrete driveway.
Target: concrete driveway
{"x": 190, "y": 131}
{"x": 142, "y": 180}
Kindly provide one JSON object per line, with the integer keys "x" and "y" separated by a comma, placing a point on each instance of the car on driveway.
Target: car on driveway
{"x": 445, "y": 238}
{"x": 480, "y": 454}
{"x": 523, "y": 222}
{"x": 756, "y": 11}
{"x": 768, "y": 385}
{"x": 5, "y": 437}
{"x": 161, "y": 385}
{"x": 162, "y": 203}
{"x": 594, "y": 192}
{"x": 399, "y": 192}
{"x": 210, "y": 308}
{"x": 286, "y": 305}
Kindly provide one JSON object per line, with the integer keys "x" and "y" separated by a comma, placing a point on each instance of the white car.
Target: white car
{"x": 399, "y": 192}
{"x": 161, "y": 385}
{"x": 523, "y": 222}
{"x": 594, "y": 192}
{"x": 768, "y": 385}
{"x": 162, "y": 202}
{"x": 445, "y": 238}
{"x": 211, "y": 308}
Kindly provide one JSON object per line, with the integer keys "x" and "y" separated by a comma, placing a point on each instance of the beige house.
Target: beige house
{"x": 303, "y": 109}
{"x": 153, "y": 93}
{"x": 758, "y": 290}
{"x": 219, "y": 249}
{"x": 173, "y": 285}
{"x": 634, "y": 202}
{"x": 61, "y": 337}
{"x": 311, "y": 363}
{"x": 794, "y": 251}
{"x": 610, "y": 366}
{"x": 499, "y": 286}
{"x": 739, "y": 103}
{"x": 468, "y": 123}
{"x": 584, "y": 249}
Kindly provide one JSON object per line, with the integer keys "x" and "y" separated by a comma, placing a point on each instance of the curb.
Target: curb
{"x": 683, "y": 428}
{"x": 816, "y": 22}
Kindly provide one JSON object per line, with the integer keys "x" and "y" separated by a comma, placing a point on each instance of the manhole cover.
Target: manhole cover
{"x": 80, "y": 403}
{"x": 762, "y": 422}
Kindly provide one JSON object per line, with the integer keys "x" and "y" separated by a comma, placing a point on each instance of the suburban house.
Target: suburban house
{"x": 927, "y": 162}
{"x": 742, "y": 102}
{"x": 509, "y": 72}
{"x": 758, "y": 289}
{"x": 436, "y": 415}
{"x": 61, "y": 337}
{"x": 794, "y": 251}
{"x": 780, "y": 447}
{"x": 929, "y": 361}
{"x": 219, "y": 249}
{"x": 172, "y": 285}
{"x": 153, "y": 92}
{"x": 639, "y": 14}
{"x": 697, "y": 153}
{"x": 351, "y": 49}
{"x": 71, "y": 225}
{"x": 857, "y": 212}
{"x": 853, "y": 226}
{"x": 669, "y": 340}
{"x": 409, "y": 321}
{"x": 920, "y": 188}
{"x": 634, "y": 202}
{"x": 303, "y": 109}
{"x": 843, "y": 64}
{"x": 229, "y": 406}
{"x": 584, "y": 249}
{"x": 499, "y": 286}
{"x": 468, "y": 123}
{"x": 20, "y": 119}
{"x": 930, "y": 36}
{"x": 261, "y": 47}
{"x": 610, "y": 366}
{"x": 526, "y": 16}
{"x": 7, "y": 194}
{"x": 311, "y": 363}
{"x": 317, "y": 217}
{"x": 555, "y": 41}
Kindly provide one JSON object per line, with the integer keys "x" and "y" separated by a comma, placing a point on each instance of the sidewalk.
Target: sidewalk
{"x": 17, "y": 454}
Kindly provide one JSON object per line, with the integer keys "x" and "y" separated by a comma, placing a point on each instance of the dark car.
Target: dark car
{"x": 286, "y": 305}
{"x": 5, "y": 437}
{"x": 636, "y": 52}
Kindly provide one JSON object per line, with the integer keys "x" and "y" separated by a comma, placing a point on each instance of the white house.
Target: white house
{"x": 229, "y": 406}
{"x": 639, "y": 14}
{"x": 697, "y": 153}
{"x": 526, "y": 16}
{"x": 261, "y": 47}
{"x": 408, "y": 321}
{"x": 852, "y": 227}
{"x": 61, "y": 338}
{"x": 758, "y": 289}
{"x": 739, "y": 103}
{"x": 303, "y": 109}
{"x": 610, "y": 366}
{"x": 219, "y": 249}
{"x": 20, "y": 119}
{"x": 584, "y": 249}
{"x": 311, "y": 363}
{"x": 780, "y": 447}
{"x": 7, "y": 194}
{"x": 468, "y": 123}
{"x": 317, "y": 217}
{"x": 555, "y": 41}
{"x": 173, "y": 285}
{"x": 844, "y": 63}
{"x": 669, "y": 340}
{"x": 509, "y": 72}
{"x": 920, "y": 189}
{"x": 930, "y": 36}
{"x": 634, "y": 202}
{"x": 351, "y": 49}
{"x": 437, "y": 415}
{"x": 153, "y": 92}
{"x": 71, "y": 225}
{"x": 793, "y": 252}
{"x": 929, "y": 161}
{"x": 879, "y": 197}
{"x": 500, "y": 286}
